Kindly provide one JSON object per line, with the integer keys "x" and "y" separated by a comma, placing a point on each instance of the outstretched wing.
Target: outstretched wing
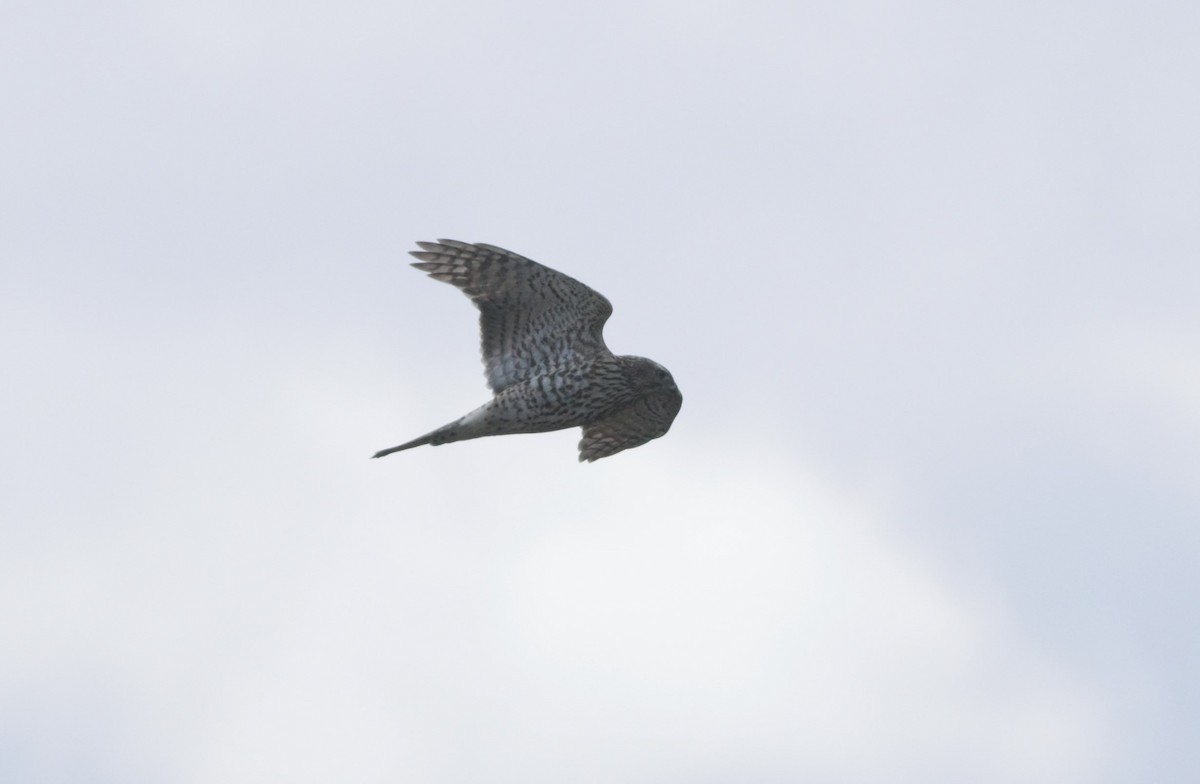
{"x": 642, "y": 420}
{"x": 529, "y": 315}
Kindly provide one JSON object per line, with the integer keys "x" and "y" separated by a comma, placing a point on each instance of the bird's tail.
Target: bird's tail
{"x": 425, "y": 439}
{"x": 473, "y": 425}
{"x": 443, "y": 435}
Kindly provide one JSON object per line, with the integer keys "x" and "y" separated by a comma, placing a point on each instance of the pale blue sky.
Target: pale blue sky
{"x": 927, "y": 275}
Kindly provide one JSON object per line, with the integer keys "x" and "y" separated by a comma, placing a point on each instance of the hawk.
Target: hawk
{"x": 545, "y": 358}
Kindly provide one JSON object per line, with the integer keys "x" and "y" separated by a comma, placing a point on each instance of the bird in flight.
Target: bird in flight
{"x": 545, "y": 358}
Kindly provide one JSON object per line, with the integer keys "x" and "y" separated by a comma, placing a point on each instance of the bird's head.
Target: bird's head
{"x": 649, "y": 376}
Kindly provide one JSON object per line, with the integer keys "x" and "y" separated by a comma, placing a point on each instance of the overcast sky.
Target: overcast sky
{"x": 926, "y": 273}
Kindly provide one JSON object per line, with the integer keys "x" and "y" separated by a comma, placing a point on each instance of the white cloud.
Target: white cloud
{"x": 495, "y": 608}
{"x": 947, "y": 245}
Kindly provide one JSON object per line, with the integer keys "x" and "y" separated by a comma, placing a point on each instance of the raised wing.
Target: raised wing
{"x": 643, "y": 420}
{"x": 529, "y": 315}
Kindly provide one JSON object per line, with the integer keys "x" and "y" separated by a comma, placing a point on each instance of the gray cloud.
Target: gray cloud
{"x": 926, "y": 278}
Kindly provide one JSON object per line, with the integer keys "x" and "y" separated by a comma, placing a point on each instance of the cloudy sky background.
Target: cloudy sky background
{"x": 927, "y": 274}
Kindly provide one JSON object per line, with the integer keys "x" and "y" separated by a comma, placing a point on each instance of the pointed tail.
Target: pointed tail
{"x": 470, "y": 426}
{"x": 443, "y": 435}
{"x": 425, "y": 439}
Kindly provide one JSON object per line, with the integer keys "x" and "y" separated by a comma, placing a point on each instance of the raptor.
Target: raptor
{"x": 545, "y": 358}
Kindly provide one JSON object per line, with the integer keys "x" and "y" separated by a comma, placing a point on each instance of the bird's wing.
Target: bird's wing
{"x": 644, "y": 419}
{"x": 529, "y": 315}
